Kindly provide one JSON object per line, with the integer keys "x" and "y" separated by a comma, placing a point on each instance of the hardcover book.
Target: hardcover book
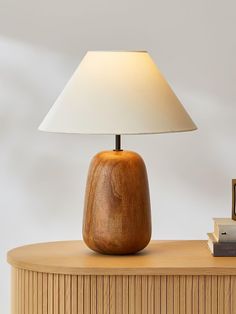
{"x": 225, "y": 229}
{"x": 221, "y": 248}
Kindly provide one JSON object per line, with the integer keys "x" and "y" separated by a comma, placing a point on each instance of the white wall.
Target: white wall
{"x": 43, "y": 175}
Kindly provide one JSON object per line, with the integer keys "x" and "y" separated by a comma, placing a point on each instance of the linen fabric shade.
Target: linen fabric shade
{"x": 117, "y": 92}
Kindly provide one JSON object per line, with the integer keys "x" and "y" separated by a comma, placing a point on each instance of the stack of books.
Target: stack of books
{"x": 222, "y": 242}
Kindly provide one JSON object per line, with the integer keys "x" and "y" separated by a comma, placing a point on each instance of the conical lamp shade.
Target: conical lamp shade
{"x": 117, "y": 93}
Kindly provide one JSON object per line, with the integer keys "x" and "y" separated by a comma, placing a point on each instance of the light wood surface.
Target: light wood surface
{"x": 117, "y": 216}
{"x": 169, "y": 277}
{"x": 123, "y": 294}
{"x": 159, "y": 258}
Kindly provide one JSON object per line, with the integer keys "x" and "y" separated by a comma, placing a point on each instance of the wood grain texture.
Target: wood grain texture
{"x": 55, "y": 293}
{"x": 163, "y": 295}
{"x": 144, "y": 281}
{"x": 138, "y": 294}
{"x": 182, "y": 294}
{"x": 35, "y": 293}
{"x": 202, "y": 294}
{"x": 14, "y": 286}
{"x": 176, "y": 305}
{"x": 151, "y": 294}
{"x": 112, "y": 295}
{"x": 45, "y": 293}
{"x": 117, "y": 218}
{"x": 214, "y": 294}
{"x": 87, "y": 294}
{"x": 227, "y": 294}
{"x": 106, "y": 294}
{"x": 189, "y": 294}
{"x": 195, "y": 296}
{"x": 125, "y": 293}
{"x": 40, "y": 294}
{"x": 75, "y": 294}
{"x": 93, "y": 291}
{"x": 131, "y": 294}
{"x": 81, "y": 297}
{"x": 31, "y": 293}
{"x": 68, "y": 294}
{"x": 220, "y": 296}
{"x": 208, "y": 281}
{"x": 100, "y": 293}
{"x": 170, "y": 294}
{"x": 157, "y": 295}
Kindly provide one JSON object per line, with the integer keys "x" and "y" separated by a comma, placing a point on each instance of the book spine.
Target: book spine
{"x": 224, "y": 233}
{"x": 221, "y": 250}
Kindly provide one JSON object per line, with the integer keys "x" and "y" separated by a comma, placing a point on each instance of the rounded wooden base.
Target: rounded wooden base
{"x": 117, "y": 218}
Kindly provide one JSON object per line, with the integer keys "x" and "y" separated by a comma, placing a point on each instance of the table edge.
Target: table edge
{"x": 82, "y": 270}
{"x": 210, "y": 271}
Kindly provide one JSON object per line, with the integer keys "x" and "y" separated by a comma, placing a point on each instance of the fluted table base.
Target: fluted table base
{"x": 46, "y": 293}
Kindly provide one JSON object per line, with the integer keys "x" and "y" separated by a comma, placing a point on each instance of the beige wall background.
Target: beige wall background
{"x": 43, "y": 175}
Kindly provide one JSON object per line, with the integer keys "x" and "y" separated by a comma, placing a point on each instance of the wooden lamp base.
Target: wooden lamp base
{"x": 117, "y": 216}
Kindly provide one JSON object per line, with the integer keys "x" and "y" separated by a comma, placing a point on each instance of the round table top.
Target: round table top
{"x": 160, "y": 257}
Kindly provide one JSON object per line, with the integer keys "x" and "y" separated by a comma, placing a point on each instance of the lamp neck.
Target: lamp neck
{"x": 118, "y": 143}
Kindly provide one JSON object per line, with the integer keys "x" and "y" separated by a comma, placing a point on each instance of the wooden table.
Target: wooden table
{"x": 167, "y": 277}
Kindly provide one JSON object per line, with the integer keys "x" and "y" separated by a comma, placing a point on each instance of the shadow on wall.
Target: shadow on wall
{"x": 73, "y": 28}
{"x": 29, "y": 79}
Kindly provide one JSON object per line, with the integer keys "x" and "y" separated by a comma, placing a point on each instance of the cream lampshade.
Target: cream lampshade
{"x": 117, "y": 93}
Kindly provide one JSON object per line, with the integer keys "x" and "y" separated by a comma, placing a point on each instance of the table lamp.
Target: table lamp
{"x": 117, "y": 92}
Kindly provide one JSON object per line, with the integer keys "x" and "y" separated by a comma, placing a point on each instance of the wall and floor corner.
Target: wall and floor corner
{"x": 43, "y": 175}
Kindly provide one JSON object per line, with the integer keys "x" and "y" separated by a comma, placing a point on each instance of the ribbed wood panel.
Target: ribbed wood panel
{"x": 43, "y": 293}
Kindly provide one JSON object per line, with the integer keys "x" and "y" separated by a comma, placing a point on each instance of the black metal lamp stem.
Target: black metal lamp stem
{"x": 118, "y": 143}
